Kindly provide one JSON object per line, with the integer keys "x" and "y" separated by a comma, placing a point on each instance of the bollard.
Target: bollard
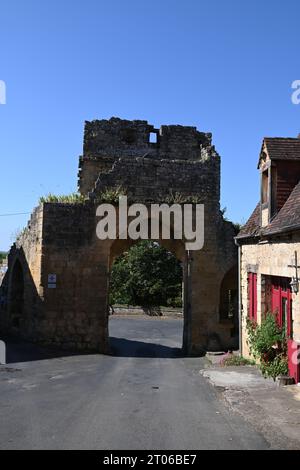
{"x": 2, "y": 352}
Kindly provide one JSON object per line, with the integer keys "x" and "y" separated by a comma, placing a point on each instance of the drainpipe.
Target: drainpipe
{"x": 239, "y": 296}
{"x": 187, "y": 305}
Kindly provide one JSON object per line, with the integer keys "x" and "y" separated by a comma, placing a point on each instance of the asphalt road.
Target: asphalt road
{"x": 145, "y": 396}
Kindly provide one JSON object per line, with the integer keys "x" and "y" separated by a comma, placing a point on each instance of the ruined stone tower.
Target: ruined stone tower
{"x": 60, "y": 244}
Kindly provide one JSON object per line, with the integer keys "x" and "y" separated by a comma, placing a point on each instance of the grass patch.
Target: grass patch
{"x": 179, "y": 198}
{"x": 235, "y": 360}
{"x": 111, "y": 195}
{"x": 73, "y": 198}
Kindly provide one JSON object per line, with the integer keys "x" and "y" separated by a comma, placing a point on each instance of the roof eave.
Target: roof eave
{"x": 286, "y": 229}
{"x": 265, "y": 235}
{"x": 245, "y": 237}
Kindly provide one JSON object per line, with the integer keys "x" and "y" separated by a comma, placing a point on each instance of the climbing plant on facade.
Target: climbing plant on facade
{"x": 268, "y": 345}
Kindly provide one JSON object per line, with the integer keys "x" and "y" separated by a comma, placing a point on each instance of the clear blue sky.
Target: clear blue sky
{"x": 223, "y": 66}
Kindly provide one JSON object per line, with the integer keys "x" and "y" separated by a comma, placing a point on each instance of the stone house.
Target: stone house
{"x": 269, "y": 246}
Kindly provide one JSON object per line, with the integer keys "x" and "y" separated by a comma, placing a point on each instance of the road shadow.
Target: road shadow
{"x": 18, "y": 350}
{"x": 122, "y": 347}
{"x": 21, "y": 351}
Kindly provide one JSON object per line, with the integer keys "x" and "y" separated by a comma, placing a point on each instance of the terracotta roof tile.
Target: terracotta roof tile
{"x": 251, "y": 227}
{"x": 288, "y": 218}
{"x": 280, "y": 148}
{"x": 289, "y": 215}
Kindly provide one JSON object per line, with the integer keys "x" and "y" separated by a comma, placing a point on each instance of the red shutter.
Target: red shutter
{"x": 276, "y": 301}
{"x": 252, "y": 296}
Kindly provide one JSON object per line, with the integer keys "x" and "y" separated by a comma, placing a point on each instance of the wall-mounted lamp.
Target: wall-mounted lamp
{"x": 294, "y": 285}
{"x": 295, "y": 280}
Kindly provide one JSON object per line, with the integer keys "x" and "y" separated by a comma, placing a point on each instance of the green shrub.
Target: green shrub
{"x": 175, "y": 302}
{"x": 147, "y": 275}
{"x": 267, "y": 344}
{"x": 278, "y": 366}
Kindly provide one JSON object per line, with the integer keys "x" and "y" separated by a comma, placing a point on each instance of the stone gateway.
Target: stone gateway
{"x": 57, "y": 284}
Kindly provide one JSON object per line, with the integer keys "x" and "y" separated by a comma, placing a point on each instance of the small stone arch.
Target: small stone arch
{"x": 228, "y": 309}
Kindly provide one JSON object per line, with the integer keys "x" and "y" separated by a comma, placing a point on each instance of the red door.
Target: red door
{"x": 282, "y": 308}
{"x": 282, "y": 303}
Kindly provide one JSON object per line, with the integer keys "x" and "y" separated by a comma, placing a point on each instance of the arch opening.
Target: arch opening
{"x": 146, "y": 298}
{"x": 228, "y": 308}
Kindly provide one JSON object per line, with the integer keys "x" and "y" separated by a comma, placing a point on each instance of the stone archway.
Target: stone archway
{"x": 229, "y": 294}
{"x": 177, "y": 248}
{"x": 182, "y": 166}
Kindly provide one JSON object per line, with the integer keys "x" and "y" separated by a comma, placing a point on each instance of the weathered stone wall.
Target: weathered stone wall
{"x": 75, "y": 311}
{"x": 117, "y": 310}
{"x": 62, "y": 238}
{"x": 105, "y": 142}
{"x": 268, "y": 259}
{"x": 27, "y": 251}
{"x": 209, "y": 266}
{"x": 120, "y": 138}
{"x": 147, "y": 180}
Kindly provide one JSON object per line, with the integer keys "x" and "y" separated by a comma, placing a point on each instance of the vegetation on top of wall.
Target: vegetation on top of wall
{"x": 111, "y": 195}
{"x": 17, "y": 234}
{"x": 237, "y": 225}
{"x": 267, "y": 343}
{"x": 180, "y": 198}
{"x": 73, "y": 198}
{"x": 21, "y": 232}
{"x": 223, "y": 212}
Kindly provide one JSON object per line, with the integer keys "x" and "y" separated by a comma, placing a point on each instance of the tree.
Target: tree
{"x": 147, "y": 275}
{"x": 3, "y": 256}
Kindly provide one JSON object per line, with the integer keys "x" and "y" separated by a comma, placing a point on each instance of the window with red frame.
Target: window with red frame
{"x": 252, "y": 296}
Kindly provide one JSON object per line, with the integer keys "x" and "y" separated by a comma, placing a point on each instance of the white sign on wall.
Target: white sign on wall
{"x": 51, "y": 278}
{"x": 51, "y": 281}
